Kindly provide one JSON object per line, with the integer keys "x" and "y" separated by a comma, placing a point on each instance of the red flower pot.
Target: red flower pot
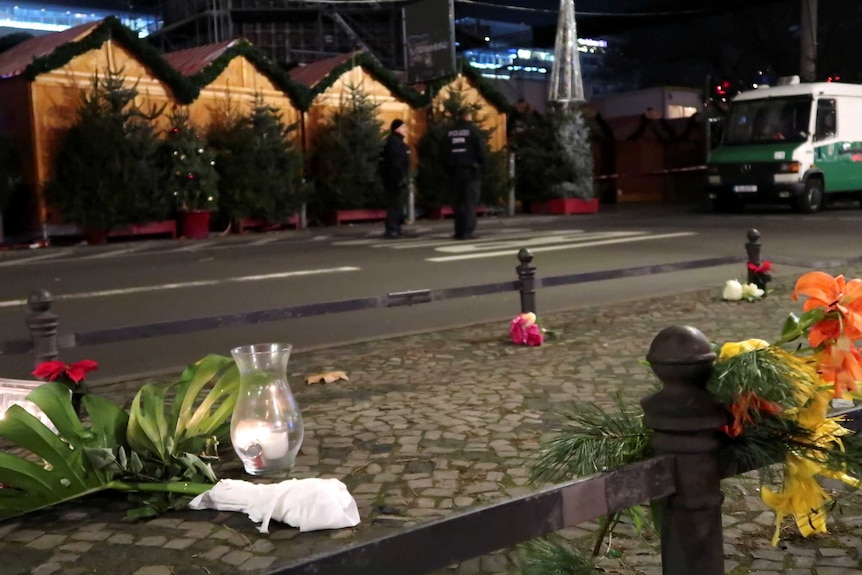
{"x": 96, "y": 237}
{"x": 195, "y": 224}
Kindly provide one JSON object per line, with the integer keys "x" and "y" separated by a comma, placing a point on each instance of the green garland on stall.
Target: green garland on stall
{"x": 483, "y": 86}
{"x": 186, "y": 89}
{"x": 297, "y": 92}
{"x": 380, "y": 73}
{"x": 112, "y": 29}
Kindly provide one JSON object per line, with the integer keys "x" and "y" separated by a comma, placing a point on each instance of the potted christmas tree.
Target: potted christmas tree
{"x": 188, "y": 165}
{"x": 106, "y": 171}
{"x": 554, "y": 163}
{"x": 259, "y": 165}
{"x": 345, "y": 162}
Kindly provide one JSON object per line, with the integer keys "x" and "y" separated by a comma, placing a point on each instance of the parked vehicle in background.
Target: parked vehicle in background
{"x": 795, "y": 143}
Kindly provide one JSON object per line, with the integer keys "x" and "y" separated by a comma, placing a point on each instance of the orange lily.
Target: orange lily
{"x": 832, "y": 294}
{"x": 841, "y": 365}
{"x": 743, "y": 409}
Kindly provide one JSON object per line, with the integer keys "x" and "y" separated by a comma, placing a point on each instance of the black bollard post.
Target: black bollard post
{"x": 752, "y": 247}
{"x": 43, "y": 326}
{"x": 686, "y": 420}
{"x": 527, "y": 278}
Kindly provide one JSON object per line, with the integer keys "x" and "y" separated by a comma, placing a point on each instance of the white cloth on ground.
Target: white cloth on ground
{"x": 310, "y": 504}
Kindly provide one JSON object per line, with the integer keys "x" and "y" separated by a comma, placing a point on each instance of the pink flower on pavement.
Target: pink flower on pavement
{"x": 523, "y": 330}
{"x": 535, "y": 335}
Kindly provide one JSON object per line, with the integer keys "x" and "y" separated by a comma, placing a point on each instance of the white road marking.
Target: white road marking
{"x": 110, "y": 254}
{"x": 570, "y": 246}
{"x": 263, "y": 242}
{"x": 171, "y": 286}
{"x": 23, "y": 261}
{"x": 516, "y": 244}
{"x": 194, "y": 247}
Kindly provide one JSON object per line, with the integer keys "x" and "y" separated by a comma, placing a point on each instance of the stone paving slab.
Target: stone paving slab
{"x": 429, "y": 425}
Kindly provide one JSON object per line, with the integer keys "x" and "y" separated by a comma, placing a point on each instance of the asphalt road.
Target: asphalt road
{"x": 144, "y": 282}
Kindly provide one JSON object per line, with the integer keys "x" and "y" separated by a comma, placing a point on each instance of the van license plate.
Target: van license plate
{"x": 744, "y": 188}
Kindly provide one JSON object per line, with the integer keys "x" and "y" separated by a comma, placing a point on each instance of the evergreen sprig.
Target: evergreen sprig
{"x": 770, "y": 373}
{"x": 595, "y": 439}
{"x": 554, "y": 556}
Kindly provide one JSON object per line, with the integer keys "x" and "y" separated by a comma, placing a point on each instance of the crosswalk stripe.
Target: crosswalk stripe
{"x": 518, "y": 243}
{"x": 569, "y": 246}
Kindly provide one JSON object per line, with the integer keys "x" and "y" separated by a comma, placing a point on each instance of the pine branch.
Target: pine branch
{"x": 552, "y": 556}
{"x": 770, "y": 373}
{"x": 595, "y": 439}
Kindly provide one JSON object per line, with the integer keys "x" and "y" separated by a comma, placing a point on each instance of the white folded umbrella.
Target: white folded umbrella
{"x": 310, "y": 504}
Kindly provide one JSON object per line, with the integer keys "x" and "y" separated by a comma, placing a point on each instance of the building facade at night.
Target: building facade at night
{"x": 40, "y": 17}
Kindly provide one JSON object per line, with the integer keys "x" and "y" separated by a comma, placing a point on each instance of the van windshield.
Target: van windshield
{"x": 768, "y": 121}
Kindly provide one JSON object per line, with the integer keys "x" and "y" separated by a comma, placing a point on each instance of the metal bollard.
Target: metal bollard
{"x": 686, "y": 419}
{"x": 43, "y": 326}
{"x": 527, "y": 278}
{"x": 752, "y": 247}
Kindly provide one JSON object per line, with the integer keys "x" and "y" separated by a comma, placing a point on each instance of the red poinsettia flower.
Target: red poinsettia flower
{"x": 51, "y": 370}
{"x": 763, "y": 268}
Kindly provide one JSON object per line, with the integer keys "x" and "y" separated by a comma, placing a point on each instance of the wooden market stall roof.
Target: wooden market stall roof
{"x": 491, "y": 94}
{"x": 14, "y": 61}
{"x": 49, "y": 52}
{"x": 203, "y": 64}
{"x": 319, "y": 76}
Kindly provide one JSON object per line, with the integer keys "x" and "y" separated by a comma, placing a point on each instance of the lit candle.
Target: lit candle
{"x": 272, "y": 444}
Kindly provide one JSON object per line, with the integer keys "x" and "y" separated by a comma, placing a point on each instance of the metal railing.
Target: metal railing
{"x": 683, "y": 479}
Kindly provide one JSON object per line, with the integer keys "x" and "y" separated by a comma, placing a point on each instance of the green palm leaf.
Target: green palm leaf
{"x": 55, "y": 467}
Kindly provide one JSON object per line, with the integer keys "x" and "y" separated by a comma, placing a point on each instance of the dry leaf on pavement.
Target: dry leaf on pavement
{"x": 327, "y": 377}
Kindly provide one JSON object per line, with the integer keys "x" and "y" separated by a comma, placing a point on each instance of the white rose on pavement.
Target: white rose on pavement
{"x": 751, "y": 291}
{"x": 732, "y": 291}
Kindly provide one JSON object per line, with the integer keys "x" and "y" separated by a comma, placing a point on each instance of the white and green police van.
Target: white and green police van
{"x": 796, "y": 143}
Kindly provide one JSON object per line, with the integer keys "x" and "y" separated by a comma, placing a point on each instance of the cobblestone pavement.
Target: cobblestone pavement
{"x": 429, "y": 425}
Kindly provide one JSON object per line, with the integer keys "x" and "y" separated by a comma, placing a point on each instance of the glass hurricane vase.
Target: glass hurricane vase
{"x": 266, "y": 428}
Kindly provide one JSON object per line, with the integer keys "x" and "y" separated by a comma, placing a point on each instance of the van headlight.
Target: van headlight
{"x": 788, "y": 168}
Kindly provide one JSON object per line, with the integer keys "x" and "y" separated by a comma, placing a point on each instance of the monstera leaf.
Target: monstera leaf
{"x": 156, "y": 449}
{"x": 57, "y": 467}
{"x": 186, "y": 423}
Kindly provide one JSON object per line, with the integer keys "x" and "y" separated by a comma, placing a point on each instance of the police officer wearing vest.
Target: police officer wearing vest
{"x": 465, "y": 155}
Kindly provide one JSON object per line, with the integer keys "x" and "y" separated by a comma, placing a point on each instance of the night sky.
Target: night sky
{"x": 679, "y": 41}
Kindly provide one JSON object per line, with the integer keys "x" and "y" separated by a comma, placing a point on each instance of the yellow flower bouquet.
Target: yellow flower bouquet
{"x": 778, "y": 396}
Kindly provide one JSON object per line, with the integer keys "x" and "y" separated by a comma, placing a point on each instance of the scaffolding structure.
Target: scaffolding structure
{"x": 291, "y": 31}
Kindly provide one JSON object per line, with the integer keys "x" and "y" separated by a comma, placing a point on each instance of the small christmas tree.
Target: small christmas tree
{"x": 278, "y": 164}
{"x": 106, "y": 170}
{"x": 259, "y": 165}
{"x": 346, "y": 157}
{"x": 573, "y": 140}
{"x": 188, "y": 164}
{"x": 553, "y": 156}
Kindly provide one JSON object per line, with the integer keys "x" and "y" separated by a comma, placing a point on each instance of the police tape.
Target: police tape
{"x": 669, "y": 171}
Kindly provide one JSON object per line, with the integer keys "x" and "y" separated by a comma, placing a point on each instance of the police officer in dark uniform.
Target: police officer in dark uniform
{"x": 465, "y": 155}
{"x": 394, "y": 171}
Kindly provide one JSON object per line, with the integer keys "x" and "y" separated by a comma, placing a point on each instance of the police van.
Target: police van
{"x": 794, "y": 143}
